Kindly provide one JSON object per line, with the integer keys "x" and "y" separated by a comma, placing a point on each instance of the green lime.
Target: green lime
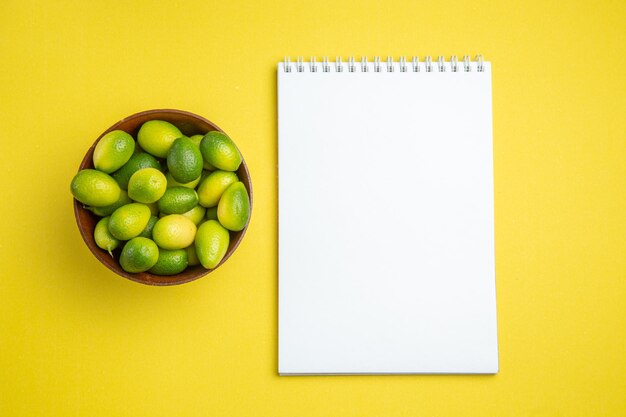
{"x": 171, "y": 182}
{"x": 113, "y": 150}
{"x": 108, "y": 210}
{"x": 233, "y": 209}
{"x": 178, "y": 200}
{"x": 220, "y": 151}
{"x": 174, "y": 231}
{"x": 196, "y": 214}
{"x": 129, "y": 221}
{"x": 170, "y": 262}
{"x": 104, "y": 239}
{"x": 213, "y": 186}
{"x": 211, "y": 213}
{"x": 192, "y": 258}
{"x": 135, "y": 163}
{"x": 211, "y": 243}
{"x": 156, "y": 137}
{"x": 147, "y": 231}
{"x": 184, "y": 160}
{"x": 147, "y": 185}
{"x": 139, "y": 254}
{"x": 196, "y": 139}
{"x": 154, "y": 208}
{"x": 94, "y": 188}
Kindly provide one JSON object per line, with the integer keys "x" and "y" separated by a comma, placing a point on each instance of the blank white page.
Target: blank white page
{"x": 386, "y": 228}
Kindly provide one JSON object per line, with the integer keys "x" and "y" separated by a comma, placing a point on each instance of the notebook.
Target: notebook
{"x": 386, "y": 229}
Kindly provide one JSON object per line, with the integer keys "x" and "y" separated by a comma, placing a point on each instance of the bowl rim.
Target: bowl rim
{"x": 146, "y": 277}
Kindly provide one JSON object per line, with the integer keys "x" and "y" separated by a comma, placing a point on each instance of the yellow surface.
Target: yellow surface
{"x": 77, "y": 340}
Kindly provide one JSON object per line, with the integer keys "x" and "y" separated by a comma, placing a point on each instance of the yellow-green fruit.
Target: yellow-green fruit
{"x": 170, "y": 262}
{"x": 157, "y": 136}
{"x": 135, "y": 163}
{"x": 113, "y": 150}
{"x": 213, "y": 186}
{"x": 178, "y": 200}
{"x": 211, "y": 243}
{"x": 174, "y": 231}
{"x": 220, "y": 151}
{"x": 171, "y": 182}
{"x": 154, "y": 208}
{"x": 138, "y": 255}
{"x": 104, "y": 239}
{"x": 196, "y": 214}
{"x": 233, "y": 209}
{"x": 211, "y": 213}
{"x": 129, "y": 221}
{"x": 196, "y": 139}
{"x": 184, "y": 160}
{"x": 192, "y": 258}
{"x": 147, "y": 185}
{"x": 108, "y": 210}
{"x": 94, "y": 188}
{"x": 147, "y": 231}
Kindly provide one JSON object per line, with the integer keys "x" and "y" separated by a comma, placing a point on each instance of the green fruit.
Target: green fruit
{"x": 171, "y": 182}
{"x": 196, "y": 139}
{"x": 211, "y": 243}
{"x": 220, "y": 151}
{"x": 129, "y": 221}
{"x": 113, "y": 150}
{"x": 156, "y": 137}
{"x": 135, "y": 163}
{"x": 233, "y": 209}
{"x": 108, "y": 210}
{"x": 139, "y": 254}
{"x": 154, "y": 208}
{"x": 178, "y": 200}
{"x": 184, "y": 160}
{"x": 147, "y": 185}
{"x": 170, "y": 262}
{"x": 211, "y": 213}
{"x": 192, "y": 258}
{"x": 94, "y": 188}
{"x": 174, "y": 231}
{"x": 196, "y": 214}
{"x": 213, "y": 186}
{"x": 104, "y": 239}
{"x": 147, "y": 231}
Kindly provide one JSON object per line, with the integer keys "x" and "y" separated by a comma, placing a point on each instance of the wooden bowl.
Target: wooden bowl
{"x": 190, "y": 124}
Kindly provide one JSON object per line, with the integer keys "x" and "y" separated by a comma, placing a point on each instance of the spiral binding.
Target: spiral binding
{"x": 388, "y": 65}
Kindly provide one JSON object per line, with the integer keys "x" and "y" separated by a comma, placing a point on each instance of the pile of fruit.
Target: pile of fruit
{"x": 169, "y": 199}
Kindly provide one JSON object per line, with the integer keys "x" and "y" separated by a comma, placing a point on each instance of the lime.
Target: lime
{"x": 170, "y": 262}
{"x": 134, "y": 164}
{"x": 154, "y": 208}
{"x": 139, "y": 254}
{"x": 174, "y": 231}
{"x": 113, "y": 150}
{"x": 184, "y": 160}
{"x": 220, "y": 151}
{"x": 147, "y": 185}
{"x": 104, "y": 239}
{"x": 192, "y": 258}
{"x": 196, "y": 214}
{"x": 129, "y": 221}
{"x": 178, "y": 200}
{"x": 156, "y": 137}
{"x": 196, "y": 139}
{"x": 108, "y": 210}
{"x": 211, "y": 243}
{"x": 233, "y": 209}
{"x": 94, "y": 188}
{"x": 211, "y": 188}
{"x": 147, "y": 231}
{"x": 171, "y": 182}
{"x": 211, "y": 213}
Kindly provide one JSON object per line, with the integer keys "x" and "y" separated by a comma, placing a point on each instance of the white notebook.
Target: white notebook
{"x": 386, "y": 228}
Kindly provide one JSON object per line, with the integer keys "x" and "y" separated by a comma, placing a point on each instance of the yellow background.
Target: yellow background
{"x": 77, "y": 340}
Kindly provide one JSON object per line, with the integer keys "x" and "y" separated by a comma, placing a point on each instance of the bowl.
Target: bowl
{"x": 189, "y": 124}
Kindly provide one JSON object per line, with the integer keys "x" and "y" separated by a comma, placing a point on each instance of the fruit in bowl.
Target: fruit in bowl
{"x": 163, "y": 197}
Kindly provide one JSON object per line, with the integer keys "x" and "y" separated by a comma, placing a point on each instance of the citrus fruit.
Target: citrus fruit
{"x": 156, "y": 137}
{"x": 192, "y": 258}
{"x": 147, "y": 185}
{"x": 196, "y": 214}
{"x": 171, "y": 182}
{"x": 94, "y": 188}
{"x": 211, "y": 243}
{"x": 178, "y": 200}
{"x": 174, "y": 231}
{"x": 104, "y": 239}
{"x": 129, "y": 221}
{"x": 233, "y": 209}
{"x": 220, "y": 151}
{"x": 170, "y": 262}
{"x": 147, "y": 231}
{"x": 184, "y": 160}
{"x": 113, "y": 150}
{"x": 196, "y": 139}
{"x": 108, "y": 210}
{"x": 213, "y": 186}
{"x": 134, "y": 164}
{"x": 139, "y": 254}
{"x": 211, "y": 213}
